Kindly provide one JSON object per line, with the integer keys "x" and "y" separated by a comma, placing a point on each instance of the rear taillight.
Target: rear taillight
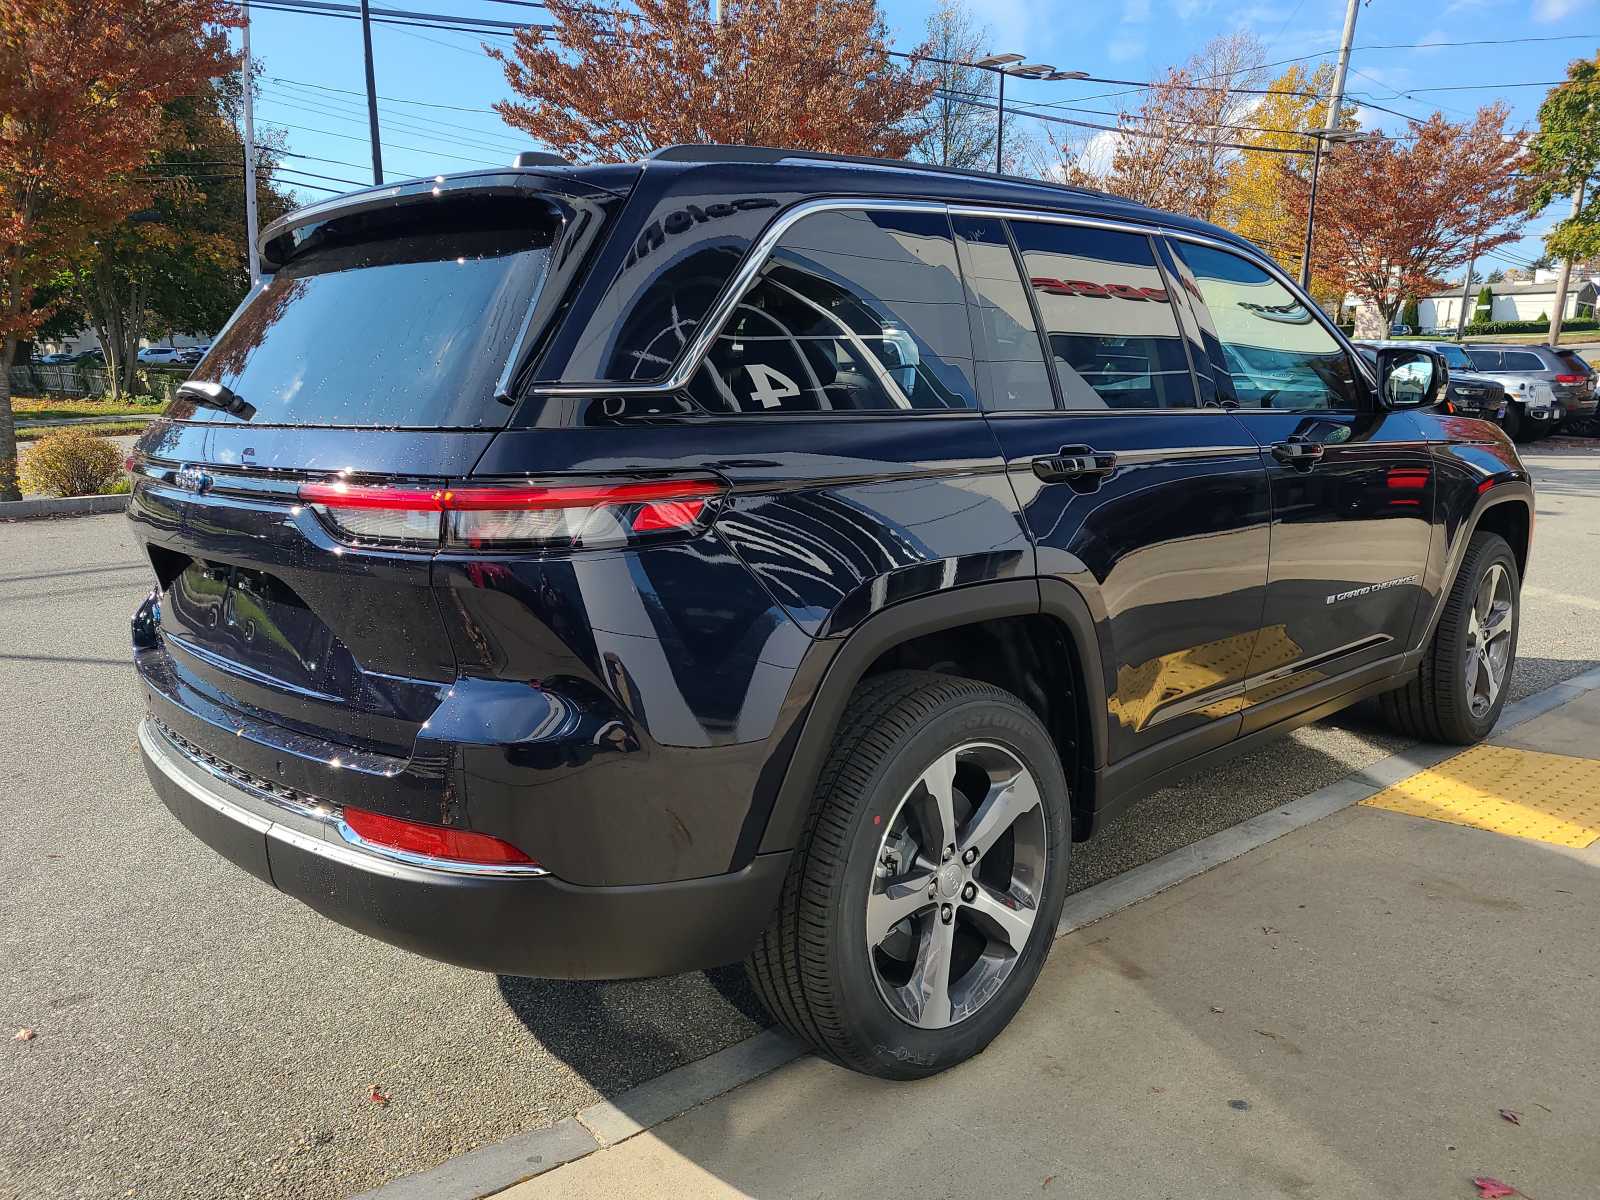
{"x": 548, "y": 516}
{"x": 1569, "y": 378}
{"x": 433, "y": 841}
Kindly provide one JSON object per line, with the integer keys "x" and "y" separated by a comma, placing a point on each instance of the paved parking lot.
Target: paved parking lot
{"x": 199, "y": 1035}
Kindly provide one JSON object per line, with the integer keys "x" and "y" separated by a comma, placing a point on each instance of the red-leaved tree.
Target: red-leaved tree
{"x": 82, "y": 83}
{"x": 1396, "y": 216}
{"x": 617, "y": 80}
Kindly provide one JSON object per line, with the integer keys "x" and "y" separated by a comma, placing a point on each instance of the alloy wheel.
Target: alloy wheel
{"x": 1488, "y": 652}
{"x": 956, "y": 885}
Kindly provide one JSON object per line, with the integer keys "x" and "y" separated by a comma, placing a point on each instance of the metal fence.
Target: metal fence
{"x": 79, "y": 379}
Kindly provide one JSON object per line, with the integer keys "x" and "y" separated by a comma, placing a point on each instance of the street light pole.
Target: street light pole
{"x": 372, "y": 93}
{"x": 251, "y": 221}
{"x": 1000, "y": 129}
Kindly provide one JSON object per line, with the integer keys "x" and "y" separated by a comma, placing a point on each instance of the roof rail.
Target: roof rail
{"x": 712, "y": 153}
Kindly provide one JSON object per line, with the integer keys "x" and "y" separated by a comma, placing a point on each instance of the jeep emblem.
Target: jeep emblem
{"x": 193, "y": 479}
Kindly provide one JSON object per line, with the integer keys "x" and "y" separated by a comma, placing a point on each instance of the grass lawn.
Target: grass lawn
{"x": 106, "y": 429}
{"x": 52, "y": 408}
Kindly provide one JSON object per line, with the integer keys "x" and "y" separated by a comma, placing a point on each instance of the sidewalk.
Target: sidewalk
{"x": 1342, "y": 1012}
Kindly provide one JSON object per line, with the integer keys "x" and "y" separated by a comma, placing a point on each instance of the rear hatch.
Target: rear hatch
{"x": 383, "y": 349}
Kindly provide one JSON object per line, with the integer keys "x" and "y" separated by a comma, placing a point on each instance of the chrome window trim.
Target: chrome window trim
{"x": 693, "y": 353}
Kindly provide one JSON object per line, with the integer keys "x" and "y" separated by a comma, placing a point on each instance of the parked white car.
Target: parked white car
{"x": 156, "y": 356}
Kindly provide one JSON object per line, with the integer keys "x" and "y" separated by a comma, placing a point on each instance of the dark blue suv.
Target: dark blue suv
{"x": 610, "y": 571}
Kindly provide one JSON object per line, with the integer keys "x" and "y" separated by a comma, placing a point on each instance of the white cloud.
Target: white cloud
{"x": 1135, "y": 12}
{"x": 1099, "y": 151}
{"x": 1556, "y": 10}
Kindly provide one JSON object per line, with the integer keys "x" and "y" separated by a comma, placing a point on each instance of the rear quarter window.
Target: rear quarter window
{"x": 1517, "y": 360}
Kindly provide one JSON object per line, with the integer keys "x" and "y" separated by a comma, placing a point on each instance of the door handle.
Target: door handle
{"x": 1074, "y": 462}
{"x": 1297, "y": 453}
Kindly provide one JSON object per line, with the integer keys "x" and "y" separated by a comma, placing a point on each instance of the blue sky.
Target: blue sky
{"x": 312, "y": 77}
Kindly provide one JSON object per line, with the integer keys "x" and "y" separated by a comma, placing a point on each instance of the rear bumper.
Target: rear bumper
{"x": 518, "y": 922}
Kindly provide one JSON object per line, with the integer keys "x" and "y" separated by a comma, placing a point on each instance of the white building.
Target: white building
{"x": 1520, "y": 300}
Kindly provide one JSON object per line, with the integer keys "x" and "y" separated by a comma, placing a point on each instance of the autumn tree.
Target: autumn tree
{"x": 1397, "y": 215}
{"x": 1278, "y": 142}
{"x": 181, "y": 264}
{"x": 617, "y": 79}
{"x": 1176, "y": 148}
{"x": 82, "y": 84}
{"x": 954, "y": 131}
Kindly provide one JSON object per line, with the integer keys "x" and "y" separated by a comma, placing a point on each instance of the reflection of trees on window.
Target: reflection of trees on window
{"x": 855, "y": 311}
{"x": 251, "y": 327}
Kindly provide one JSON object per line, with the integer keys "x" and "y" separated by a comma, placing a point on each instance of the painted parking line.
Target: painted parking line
{"x": 1522, "y": 793}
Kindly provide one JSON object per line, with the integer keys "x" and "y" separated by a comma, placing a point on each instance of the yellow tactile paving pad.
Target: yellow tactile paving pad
{"x": 1524, "y": 793}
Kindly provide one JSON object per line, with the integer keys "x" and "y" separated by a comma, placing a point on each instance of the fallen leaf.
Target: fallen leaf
{"x": 1270, "y": 929}
{"x": 1216, "y": 1008}
{"x": 1490, "y": 1188}
{"x": 22, "y": 1035}
{"x": 1046, "y": 1182}
{"x": 1507, "y": 1115}
{"x": 377, "y": 1096}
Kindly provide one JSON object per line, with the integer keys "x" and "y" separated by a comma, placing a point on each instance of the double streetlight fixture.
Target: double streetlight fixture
{"x": 1003, "y": 65}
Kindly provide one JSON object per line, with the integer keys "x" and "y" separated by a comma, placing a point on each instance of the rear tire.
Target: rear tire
{"x": 888, "y": 884}
{"x": 1461, "y": 686}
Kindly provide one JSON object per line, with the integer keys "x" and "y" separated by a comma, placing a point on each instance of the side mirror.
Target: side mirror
{"x": 1411, "y": 378}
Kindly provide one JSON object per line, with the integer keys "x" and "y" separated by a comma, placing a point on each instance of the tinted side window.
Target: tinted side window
{"x": 1521, "y": 360}
{"x": 1275, "y": 351}
{"x": 1485, "y": 360}
{"x": 854, "y": 310}
{"x": 1108, "y": 320}
{"x": 1011, "y": 367}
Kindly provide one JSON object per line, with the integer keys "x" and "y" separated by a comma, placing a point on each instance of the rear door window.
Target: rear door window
{"x": 1275, "y": 352}
{"x": 1108, "y": 321}
{"x": 1012, "y": 373}
{"x": 1485, "y": 360}
{"x": 401, "y": 318}
{"x": 855, "y": 310}
{"x": 1521, "y": 360}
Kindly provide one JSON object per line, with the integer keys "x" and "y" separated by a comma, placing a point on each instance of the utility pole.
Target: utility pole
{"x": 251, "y": 222}
{"x": 1565, "y": 277}
{"x": 372, "y": 93}
{"x": 1331, "y": 124}
{"x": 1466, "y": 288}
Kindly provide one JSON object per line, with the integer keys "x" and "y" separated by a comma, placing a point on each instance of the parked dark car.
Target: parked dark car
{"x": 611, "y": 571}
{"x": 1470, "y": 393}
{"x": 1571, "y": 379}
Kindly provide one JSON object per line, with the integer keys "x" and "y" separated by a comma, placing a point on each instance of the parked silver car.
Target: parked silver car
{"x": 1570, "y": 378}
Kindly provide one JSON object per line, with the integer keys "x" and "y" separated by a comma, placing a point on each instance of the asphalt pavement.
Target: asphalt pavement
{"x": 196, "y": 1034}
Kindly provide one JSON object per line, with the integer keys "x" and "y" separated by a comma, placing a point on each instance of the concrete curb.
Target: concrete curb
{"x": 74, "y": 506}
{"x": 490, "y": 1169}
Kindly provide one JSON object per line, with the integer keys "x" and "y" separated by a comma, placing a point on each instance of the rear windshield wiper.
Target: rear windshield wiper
{"x": 216, "y": 395}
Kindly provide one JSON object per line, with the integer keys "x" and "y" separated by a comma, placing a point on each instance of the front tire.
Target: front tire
{"x": 1458, "y": 692}
{"x": 928, "y": 883}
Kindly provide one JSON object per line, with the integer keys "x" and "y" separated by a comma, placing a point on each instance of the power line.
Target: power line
{"x": 476, "y": 142}
{"x": 386, "y": 145}
{"x": 389, "y": 99}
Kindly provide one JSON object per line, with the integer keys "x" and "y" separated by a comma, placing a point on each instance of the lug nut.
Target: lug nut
{"x": 949, "y": 853}
{"x": 947, "y": 914}
{"x": 971, "y": 856}
{"x": 969, "y": 892}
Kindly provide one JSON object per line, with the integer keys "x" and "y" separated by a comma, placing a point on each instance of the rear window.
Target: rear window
{"x": 1574, "y": 360}
{"x": 401, "y": 318}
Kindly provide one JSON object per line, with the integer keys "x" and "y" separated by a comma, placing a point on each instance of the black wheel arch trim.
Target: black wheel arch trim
{"x": 784, "y": 793}
{"x": 1507, "y": 488}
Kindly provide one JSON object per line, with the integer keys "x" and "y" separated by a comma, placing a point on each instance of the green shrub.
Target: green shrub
{"x": 71, "y": 462}
{"x": 1492, "y": 327}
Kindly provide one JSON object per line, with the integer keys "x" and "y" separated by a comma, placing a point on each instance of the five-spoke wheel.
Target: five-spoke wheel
{"x": 956, "y": 889}
{"x": 1489, "y": 638}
